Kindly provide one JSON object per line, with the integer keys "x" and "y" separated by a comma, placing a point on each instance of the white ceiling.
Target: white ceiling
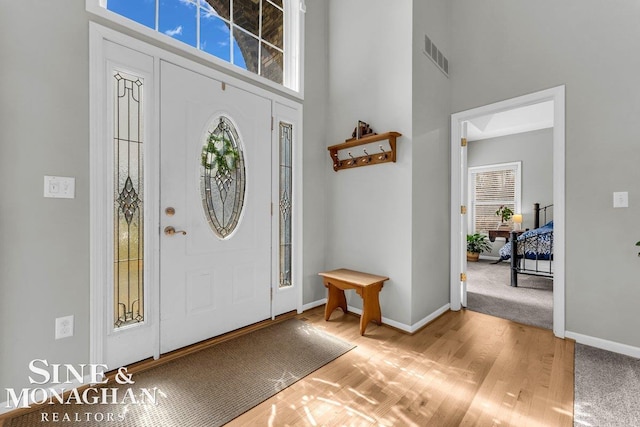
{"x": 524, "y": 119}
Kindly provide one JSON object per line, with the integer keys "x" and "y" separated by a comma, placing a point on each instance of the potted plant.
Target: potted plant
{"x": 476, "y": 244}
{"x": 505, "y": 213}
{"x": 638, "y": 244}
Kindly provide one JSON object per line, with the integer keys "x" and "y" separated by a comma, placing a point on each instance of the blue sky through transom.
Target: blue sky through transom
{"x": 178, "y": 19}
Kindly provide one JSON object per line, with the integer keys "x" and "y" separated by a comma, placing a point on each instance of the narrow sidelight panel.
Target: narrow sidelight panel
{"x": 128, "y": 213}
{"x": 286, "y": 185}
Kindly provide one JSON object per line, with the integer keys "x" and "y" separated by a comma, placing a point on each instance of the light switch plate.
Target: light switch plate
{"x": 60, "y": 187}
{"x": 621, "y": 199}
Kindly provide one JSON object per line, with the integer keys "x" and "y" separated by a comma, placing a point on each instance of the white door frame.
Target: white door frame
{"x": 459, "y": 185}
{"x": 99, "y": 224}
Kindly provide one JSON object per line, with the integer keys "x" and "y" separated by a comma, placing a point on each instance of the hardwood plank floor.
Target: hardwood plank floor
{"x": 465, "y": 368}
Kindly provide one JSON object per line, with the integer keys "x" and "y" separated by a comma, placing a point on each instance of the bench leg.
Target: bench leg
{"x": 370, "y": 307}
{"x": 335, "y": 299}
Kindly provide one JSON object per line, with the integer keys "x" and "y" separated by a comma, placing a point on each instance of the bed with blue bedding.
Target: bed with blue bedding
{"x": 532, "y": 251}
{"x": 533, "y": 244}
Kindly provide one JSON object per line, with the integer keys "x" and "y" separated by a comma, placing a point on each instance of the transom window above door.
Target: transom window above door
{"x": 249, "y": 34}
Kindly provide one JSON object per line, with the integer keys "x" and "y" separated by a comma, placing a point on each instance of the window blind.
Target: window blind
{"x": 492, "y": 189}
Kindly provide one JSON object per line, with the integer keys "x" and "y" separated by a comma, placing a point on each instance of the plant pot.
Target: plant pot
{"x": 473, "y": 256}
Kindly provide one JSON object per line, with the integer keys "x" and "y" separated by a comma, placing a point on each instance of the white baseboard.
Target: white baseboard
{"x": 430, "y": 317}
{"x": 613, "y": 346}
{"x": 6, "y": 407}
{"x": 314, "y": 304}
{"x": 403, "y": 327}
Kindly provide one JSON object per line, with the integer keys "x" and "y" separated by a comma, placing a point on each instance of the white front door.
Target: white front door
{"x": 212, "y": 282}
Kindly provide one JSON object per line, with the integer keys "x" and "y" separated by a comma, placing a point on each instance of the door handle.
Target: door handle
{"x": 170, "y": 231}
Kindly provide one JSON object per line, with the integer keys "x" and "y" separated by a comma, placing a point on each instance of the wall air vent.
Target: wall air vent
{"x": 436, "y": 56}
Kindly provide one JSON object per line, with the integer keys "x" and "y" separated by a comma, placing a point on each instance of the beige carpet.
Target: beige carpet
{"x": 211, "y": 387}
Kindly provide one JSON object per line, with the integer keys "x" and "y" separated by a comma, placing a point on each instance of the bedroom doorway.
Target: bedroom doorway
{"x": 460, "y": 189}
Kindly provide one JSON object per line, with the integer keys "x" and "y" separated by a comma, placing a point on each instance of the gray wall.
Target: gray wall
{"x": 369, "y": 213}
{"x": 430, "y": 221}
{"x": 316, "y": 158}
{"x": 507, "y": 48}
{"x": 44, "y": 130}
{"x": 535, "y": 151}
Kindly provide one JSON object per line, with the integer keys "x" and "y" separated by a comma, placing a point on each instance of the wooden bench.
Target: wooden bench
{"x": 366, "y": 285}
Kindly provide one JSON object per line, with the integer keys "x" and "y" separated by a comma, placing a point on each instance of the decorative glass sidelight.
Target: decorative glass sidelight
{"x": 222, "y": 178}
{"x": 128, "y": 212}
{"x": 286, "y": 184}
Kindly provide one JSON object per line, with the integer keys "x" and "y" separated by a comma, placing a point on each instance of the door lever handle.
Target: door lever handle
{"x": 170, "y": 231}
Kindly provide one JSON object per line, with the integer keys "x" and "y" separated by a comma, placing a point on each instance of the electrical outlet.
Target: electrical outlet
{"x": 64, "y": 327}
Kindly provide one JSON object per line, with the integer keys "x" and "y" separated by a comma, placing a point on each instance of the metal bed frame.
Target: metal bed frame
{"x": 519, "y": 262}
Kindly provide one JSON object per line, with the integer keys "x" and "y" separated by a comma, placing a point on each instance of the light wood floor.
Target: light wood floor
{"x": 464, "y": 369}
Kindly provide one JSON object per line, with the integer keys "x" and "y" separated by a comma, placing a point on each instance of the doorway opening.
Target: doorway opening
{"x": 463, "y": 213}
{"x": 511, "y": 174}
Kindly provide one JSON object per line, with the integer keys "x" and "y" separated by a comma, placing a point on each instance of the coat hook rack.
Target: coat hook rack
{"x": 336, "y": 161}
{"x": 384, "y": 153}
{"x": 353, "y": 160}
{"x": 366, "y": 159}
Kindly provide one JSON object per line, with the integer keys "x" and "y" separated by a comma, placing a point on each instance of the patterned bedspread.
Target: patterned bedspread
{"x": 533, "y": 244}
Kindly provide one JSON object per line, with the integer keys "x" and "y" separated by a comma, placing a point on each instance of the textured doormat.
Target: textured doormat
{"x": 207, "y": 388}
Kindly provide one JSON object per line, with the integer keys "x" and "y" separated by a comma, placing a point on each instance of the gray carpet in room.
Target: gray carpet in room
{"x": 489, "y": 292}
{"x": 214, "y": 385}
{"x": 607, "y": 388}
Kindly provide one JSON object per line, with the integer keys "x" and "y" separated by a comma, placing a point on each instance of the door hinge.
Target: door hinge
{"x": 463, "y": 277}
{"x": 271, "y": 122}
{"x": 271, "y": 294}
{"x": 463, "y": 210}
{"x": 271, "y": 208}
{"x": 463, "y": 142}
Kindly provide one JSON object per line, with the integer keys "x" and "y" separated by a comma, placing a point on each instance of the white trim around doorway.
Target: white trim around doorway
{"x": 458, "y": 198}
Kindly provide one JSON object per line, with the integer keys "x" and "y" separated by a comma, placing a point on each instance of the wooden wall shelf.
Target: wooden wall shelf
{"x": 366, "y": 159}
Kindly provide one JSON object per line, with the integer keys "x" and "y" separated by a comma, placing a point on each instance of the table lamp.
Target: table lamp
{"x": 517, "y": 220}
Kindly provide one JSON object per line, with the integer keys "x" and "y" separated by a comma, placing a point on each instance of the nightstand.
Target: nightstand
{"x": 505, "y": 233}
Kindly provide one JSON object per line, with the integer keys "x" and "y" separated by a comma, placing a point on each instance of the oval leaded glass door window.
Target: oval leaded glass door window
{"x": 222, "y": 177}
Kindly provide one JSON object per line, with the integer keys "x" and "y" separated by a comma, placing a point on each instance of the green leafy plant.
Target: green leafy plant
{"x": 478, "y": 243}
{"x": 638, "y": 244}
{"x": 505, "y": 213}
{"x": 220, "y": 155}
